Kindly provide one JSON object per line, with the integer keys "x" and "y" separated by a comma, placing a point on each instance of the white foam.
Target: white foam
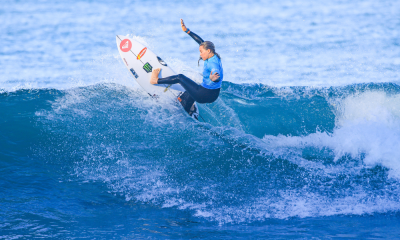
{"x": 366, "y": 124}
{"x": 303, "y": 204}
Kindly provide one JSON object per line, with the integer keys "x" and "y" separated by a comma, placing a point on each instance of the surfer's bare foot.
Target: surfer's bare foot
{"x": 154, "y": 76}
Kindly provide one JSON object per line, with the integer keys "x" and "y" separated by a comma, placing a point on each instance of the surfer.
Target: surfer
{"x": 209, "y": 89}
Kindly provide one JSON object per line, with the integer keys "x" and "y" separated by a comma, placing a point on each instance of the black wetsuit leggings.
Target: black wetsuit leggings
{"x": 199, "y": 93}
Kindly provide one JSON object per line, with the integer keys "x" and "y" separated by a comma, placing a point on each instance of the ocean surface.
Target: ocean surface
{"x": 303, "y": 143}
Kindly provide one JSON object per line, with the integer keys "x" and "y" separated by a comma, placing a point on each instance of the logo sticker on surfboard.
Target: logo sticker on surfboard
{"x": 125, "y": 45}
{"x": 161, "y": 61}
{"x": 147, "y": 67}
{"x": 141, "y": 54}
{"x": 134, "y": 73}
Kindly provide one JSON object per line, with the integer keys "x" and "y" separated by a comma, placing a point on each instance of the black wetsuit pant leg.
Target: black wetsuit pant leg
{"x": 199, "y": 93}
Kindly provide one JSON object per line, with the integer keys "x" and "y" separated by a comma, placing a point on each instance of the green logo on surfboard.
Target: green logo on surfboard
{"x": 147, "y": 67}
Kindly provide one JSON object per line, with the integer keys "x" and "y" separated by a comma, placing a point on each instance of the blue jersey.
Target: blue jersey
{"x": 213, "y": 65}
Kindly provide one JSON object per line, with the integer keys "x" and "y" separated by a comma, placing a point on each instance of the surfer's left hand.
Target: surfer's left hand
{"x": 184, "y": 28}
{"x": 214, "y": 76}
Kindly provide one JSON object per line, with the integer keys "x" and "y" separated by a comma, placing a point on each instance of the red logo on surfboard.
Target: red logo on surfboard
{"x": 141, "y": 54}
{"x": 125, "y": 45}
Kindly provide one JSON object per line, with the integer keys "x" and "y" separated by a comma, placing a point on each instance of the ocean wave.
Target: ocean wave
{"x": 261, "y": 155}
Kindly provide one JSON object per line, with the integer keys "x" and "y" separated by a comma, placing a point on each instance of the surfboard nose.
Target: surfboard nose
{"x": 119, "y": 38}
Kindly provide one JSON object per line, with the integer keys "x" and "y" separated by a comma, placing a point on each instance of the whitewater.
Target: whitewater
{"x": 302, "y": 143}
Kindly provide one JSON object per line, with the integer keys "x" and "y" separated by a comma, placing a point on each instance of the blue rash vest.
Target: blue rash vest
{"x": 213, "y": 65}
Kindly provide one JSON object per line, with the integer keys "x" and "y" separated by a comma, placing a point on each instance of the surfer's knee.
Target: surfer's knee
{"x": 183, "y": 78}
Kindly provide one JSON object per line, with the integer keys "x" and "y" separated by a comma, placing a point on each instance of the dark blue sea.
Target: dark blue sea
{"x": 303, "y": 143}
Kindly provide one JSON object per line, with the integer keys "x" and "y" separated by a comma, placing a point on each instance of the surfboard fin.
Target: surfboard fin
{"x": 194, "y": 113}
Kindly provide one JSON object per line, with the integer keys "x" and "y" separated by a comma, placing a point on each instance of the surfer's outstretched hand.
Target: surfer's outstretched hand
{"x": 184, "y": 28}
{"x": 214, "y": 76}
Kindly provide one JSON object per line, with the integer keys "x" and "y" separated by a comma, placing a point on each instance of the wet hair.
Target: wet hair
{"x": 208, "y": 45}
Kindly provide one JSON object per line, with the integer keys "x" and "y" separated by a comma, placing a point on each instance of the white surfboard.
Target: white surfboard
{"x": 141, "y": 61}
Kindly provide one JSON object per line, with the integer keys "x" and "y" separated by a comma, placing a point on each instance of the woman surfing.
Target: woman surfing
{"x": 209, "y": 89}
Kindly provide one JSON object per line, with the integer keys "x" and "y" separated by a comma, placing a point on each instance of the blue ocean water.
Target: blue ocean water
{"x": 302, "y": 143}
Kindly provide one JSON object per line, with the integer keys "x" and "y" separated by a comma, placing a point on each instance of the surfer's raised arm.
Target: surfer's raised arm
{"x": 196, "y": 37}
{"x": 208, "y": 91}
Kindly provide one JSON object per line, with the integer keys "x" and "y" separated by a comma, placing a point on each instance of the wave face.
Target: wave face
{"x": 264, "y": 154}
{"x": 302, "y": 143}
